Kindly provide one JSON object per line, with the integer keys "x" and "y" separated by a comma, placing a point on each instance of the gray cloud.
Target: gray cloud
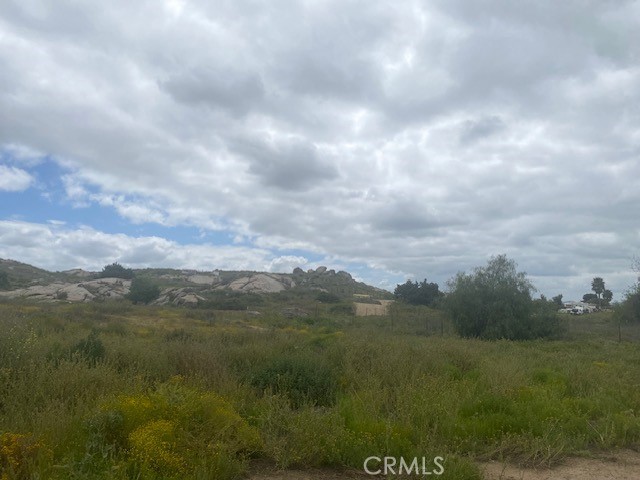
{"x": 222, "y": 88}
{"x": 418, "y": 138}
{"x": 287, "y": 164}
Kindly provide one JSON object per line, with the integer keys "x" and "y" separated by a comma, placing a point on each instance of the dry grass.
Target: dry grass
{"x": 372, "y": 309}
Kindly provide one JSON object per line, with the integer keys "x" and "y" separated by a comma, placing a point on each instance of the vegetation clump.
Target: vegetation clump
{"x": 303, "y": 379}
{"x": 90, "y": 349}
{"x": 414, "y": 293}
{"x": 115, "y": 270}
{"x": 17, "y": 452}
{"x": 143, "y": 290}
{"x": 629, "y": 309}
{"x": 495, "y": 302}
{"x": 4, "y": 281}
{"x": 175, "y": 430}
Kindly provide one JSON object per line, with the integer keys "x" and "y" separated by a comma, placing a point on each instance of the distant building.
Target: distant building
{"x": 578, "y": 308}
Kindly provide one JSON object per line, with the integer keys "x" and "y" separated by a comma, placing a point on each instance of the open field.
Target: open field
{"x": 115, "y": 391}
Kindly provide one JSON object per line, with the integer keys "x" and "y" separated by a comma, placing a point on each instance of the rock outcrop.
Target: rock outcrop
{"x": 180, "y": 287}
{"x": 178, "y": 297}
{"x": 101, "y": 288}
{"x": 261, "y": 283}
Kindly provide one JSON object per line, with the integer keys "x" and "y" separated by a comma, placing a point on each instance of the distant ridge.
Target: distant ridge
{"x": 179, "y": 286}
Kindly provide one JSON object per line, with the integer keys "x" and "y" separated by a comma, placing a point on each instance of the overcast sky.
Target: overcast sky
{"x": 396, "y": 140}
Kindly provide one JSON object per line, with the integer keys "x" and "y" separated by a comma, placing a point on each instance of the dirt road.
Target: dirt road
{"x": 621, "y": 465}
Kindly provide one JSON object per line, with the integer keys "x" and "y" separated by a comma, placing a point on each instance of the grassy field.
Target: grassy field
{"x": 113, "y": 391}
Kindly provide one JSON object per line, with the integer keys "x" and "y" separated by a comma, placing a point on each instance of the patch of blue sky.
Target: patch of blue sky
{"x": 47, "y": 201}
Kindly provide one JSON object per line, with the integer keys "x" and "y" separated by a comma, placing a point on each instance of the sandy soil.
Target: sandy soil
{"x": 621, "y": 465}
{"x": 366, "y": 309}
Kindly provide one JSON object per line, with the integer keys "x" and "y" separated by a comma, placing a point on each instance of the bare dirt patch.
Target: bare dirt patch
{"x": 373, "y": 309}
{"x": 267, "y": 471}
{"x": 621, "y": 465}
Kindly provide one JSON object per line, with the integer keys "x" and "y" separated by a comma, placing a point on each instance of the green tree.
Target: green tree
{"x": 496, "y": 302}
{"x": 590, "y": 298}
{"x": 115, "y": 270}
{"x": 558, "y": 301}
{"x": 607, "y": 296}
{"x": 143, "y": 290}
{"x": 597, "y": 285}
{"x": 629, "y": 309}
{"x": 423, "y": 293}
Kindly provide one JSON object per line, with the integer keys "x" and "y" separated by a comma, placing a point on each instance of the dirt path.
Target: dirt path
{"x": 621, "y": 465}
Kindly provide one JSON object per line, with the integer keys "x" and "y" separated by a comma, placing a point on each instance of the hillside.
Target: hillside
{"x": 180, "y": 287}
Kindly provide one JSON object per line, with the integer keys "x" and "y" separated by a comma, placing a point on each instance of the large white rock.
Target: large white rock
{"x": 258, "y": 283}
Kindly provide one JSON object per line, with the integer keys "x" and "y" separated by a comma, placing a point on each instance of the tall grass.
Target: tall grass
{"x": 117, "y": 391}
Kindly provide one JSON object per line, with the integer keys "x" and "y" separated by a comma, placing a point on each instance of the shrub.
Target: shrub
{"x": 17, "y": 454}
{"x": 415, "y": 293}
{"x": 90, "y": 349}
{"x": 143, "y": 290}
{"x": 300, "y": 378}
{"x": 326, "y": 297}
{"x": 629, "y": 309}
{"x": 4, "y": 281}
{"x": 115, "y": 270}
{"x": 175, "y": 430}
{"x": 495, "y": 302}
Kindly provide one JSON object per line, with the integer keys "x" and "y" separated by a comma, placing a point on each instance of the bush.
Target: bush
{"x": 90, "y": 349}
{"x": 175, "y": 430}
{"x": 17, "y": 453}
{"x": 4, "y": 281}
{"x": 495, "y": 302}
{"x": 143, "y": 290}
{"x": 300, "y": 378}
{"x": 415, "y": 293}
{"x": 115, "y": 270}
{"x": 629, "y": 309}
{"x": 326, "y": 297}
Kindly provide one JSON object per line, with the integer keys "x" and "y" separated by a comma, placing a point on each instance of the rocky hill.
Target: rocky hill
{"x": 178, "y": 287}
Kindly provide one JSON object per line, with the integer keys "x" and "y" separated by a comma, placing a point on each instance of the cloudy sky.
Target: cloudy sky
{"x": 396, "y": 140}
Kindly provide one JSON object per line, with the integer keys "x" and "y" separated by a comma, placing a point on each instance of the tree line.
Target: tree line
{"x": 496, "y": 301}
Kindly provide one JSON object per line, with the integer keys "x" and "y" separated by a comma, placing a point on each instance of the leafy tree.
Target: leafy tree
{"x": 558, "y": 301}
{"x": 629, "y": 309}
{"x": 4, "y": 281}
{"x": 601, "y": 296}
{"x": 115, "y": 270}
{"x": 495, "y": 302}
{"x": 143, "y": 290}
{"x": 607, "y": 296}
{"x": 597, "y": 285}
{"x": 423, "y": 293}
{"x": 590, "y": 298}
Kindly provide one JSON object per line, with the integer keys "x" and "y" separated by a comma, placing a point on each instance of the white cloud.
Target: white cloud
{"x": 413, "y": 137}
{"x": 14, "y": 179}
{"x": 57, "y": 246}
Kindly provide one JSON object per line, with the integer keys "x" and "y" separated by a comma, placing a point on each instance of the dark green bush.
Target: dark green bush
{"x": 115, "y": 270}
{"x": 495, "y": 302}
{"x": 302, "y": 379}
{"x": 4, "y": 281}
{"x": 90, "y": 349}
{"x": 628, "y": 311}
{"x": 143, "y": 290}
{"x": 326, "y": 297}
